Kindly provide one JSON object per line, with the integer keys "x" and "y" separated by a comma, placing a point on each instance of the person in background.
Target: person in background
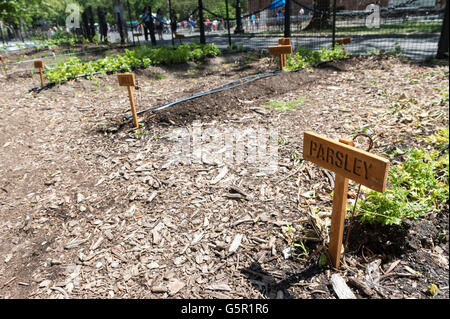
{"x": 280, "y": 17}
{"x": 252, "y": 21}
{"x": 147, "y": 21}
{"x": 207, "y": 25}
{"x": 215, "y": 25}
{"x": 159, "y": 24}
{"x": 191, "y": 24}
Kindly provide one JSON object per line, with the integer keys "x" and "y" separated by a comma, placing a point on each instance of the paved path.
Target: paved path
{"x": 416, "y": 46}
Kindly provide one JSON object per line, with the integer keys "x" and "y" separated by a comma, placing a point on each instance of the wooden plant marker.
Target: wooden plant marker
{"x": 343, "y": 41}
{"x": 284, "y": 41}
{"x": 348, "y": 162}
{"x": 179, "y": 37}
{"x": 4, "y": 66}
{"x": 40, "y": 65}
{"x": 281, "y": 51}
{"x": 128, "y": 80}
{"x": 138, "y": 34}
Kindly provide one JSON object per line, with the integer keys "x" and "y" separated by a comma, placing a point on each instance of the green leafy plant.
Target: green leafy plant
{"x": 397, "y": 49}
{"x": 417, "y": 186}
{"x": 141, "y": 57}
{"x": 306, "y": 56}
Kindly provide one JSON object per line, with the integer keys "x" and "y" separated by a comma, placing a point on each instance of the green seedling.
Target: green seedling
{"x": 432, "y": 290}
{"x": 303, "y": 250}
{"x": 286, "y": 105}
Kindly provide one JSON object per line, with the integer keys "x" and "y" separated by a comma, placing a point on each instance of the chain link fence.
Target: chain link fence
{"x": 410, "y": 27}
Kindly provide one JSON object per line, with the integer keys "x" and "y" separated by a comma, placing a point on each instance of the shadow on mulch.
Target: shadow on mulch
{"x": 380, "y": 240}
{"x": 272, "y": 286}
{"x": 394, "y": 241}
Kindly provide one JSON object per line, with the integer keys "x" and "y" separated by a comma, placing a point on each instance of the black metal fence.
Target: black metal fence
{"x": 412, "y": 28}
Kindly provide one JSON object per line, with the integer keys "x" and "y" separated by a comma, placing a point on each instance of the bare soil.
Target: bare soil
{"x": 93, "y": 208}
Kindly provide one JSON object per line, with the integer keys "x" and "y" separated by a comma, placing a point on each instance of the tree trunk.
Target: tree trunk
{"x": 321, "y": 16}
{"x": 442, "y": 52}
{"x": 239, "y": 28}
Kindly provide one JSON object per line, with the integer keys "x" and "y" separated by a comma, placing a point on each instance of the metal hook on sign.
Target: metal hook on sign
{"x": 367, "y": 136}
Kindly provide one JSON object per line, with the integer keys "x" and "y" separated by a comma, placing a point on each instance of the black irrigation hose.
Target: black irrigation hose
{"x": 52, "y": 84}
{"x": 221, "y": 88}
{"x": 34, "y": 70}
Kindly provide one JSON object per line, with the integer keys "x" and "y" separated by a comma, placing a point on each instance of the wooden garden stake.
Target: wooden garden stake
{"x": 284, "y": 41}
{"x": 128, "y": 80}
{"x": 343, "y": 41}
{"x": 179, "y": 37}
{"x": 348, "y": 162}
{"x": 4, "y": 66}
{"x": 281, "y": 51}
{"x": 40, "y": 65}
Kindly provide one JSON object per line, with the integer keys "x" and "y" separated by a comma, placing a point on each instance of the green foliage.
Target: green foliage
{"x": 34, "y": 11}
{"x": 160, "y": 76}
{"x": 286, "y": 105}
{"x": 306, "y": 56}
{"x": 415, "y": 187}
{"x": 432, "y": 290}
{"x": 141, "y": 57}
{"x": 58, "y": 39}
{"x": 301, "y": 248}
{"x": 440, "y": 139}
{"x": 235, "y": 48}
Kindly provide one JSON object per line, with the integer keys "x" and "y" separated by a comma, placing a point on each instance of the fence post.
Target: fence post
{"x": 202, "y": 25}
{"x": 287, "y": 19}
{"x": 334, "y": 24}
{"x": 443, "y": 41}
{"x": 228, "y": 23}
{"x": 171, "y": 16}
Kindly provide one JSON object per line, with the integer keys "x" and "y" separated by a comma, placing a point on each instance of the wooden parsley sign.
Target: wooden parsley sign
{"x": 348, "y": 162}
